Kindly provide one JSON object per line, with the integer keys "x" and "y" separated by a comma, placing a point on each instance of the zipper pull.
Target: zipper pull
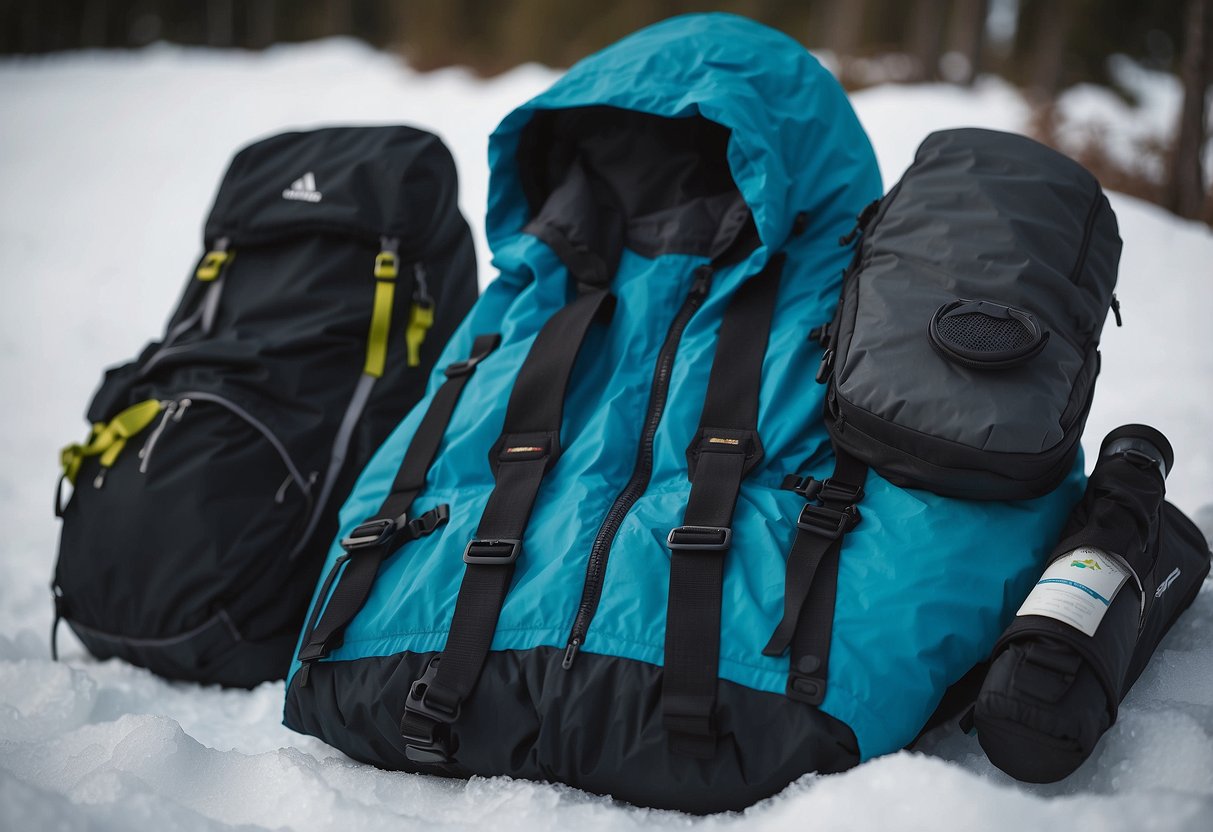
{"x": 821, "y": 334}
{"x": 825, "y": 367}
{"x": 145, "y": 453}
{"x": 570, "y": 653}
{"x": 1116, "y": 309}
{"x": 703, "y": 280}
{"x": 861, "y": 223}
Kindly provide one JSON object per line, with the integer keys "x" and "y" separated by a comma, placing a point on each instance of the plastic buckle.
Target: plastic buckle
{"x": 830, "y": 523}
{"x": 212, "y": 264}
{"x": 833, "y": 491}
{"x": 699, "y": 538}
{"x": 807, "y": 689}
{"x": 371, "y": 534}
{"x": 825, "y": 367}
{"x": 806, "y": 487}
{"x": 427, "y": 748}
{"x": 500, "y": 551}
{"x": 385, "y": 265}
{"x": 427, "y": 523}
{"x": 463, "y": 367}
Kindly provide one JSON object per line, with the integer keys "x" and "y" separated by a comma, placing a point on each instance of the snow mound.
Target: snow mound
{"x": 109, "y": 163}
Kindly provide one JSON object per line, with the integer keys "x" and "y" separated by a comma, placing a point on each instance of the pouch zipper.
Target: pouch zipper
{"x": 1085, "y": 245}
{"x": 641, "y": 473}
{"x": 175, "y": 409}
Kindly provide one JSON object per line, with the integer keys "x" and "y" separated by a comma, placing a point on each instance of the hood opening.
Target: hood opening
{"x": 597, "y": 179}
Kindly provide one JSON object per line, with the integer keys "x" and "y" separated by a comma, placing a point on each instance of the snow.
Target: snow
{"x": 108, "y": 163}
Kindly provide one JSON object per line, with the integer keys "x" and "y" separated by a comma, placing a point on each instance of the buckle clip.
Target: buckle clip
{"x": 371, "y": 534}
{"x": 833, "y": 491}
{"x": 699, "y": 538}
{"x": 212, "y": 264}
{"x": 464, "y": 366}
{"x": 499, "y": 551}
{"x": 806, "y": 487}
{"x": 825, "y": 367}
{"x": 386, "y": 265}
{"x": 426, "y": 748}
{"x": 830, "y": 523}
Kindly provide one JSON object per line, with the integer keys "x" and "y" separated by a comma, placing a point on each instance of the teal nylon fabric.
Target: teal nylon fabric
{"x": 926, "y": 583}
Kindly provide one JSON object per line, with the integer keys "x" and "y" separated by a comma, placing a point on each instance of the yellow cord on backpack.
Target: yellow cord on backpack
{"x": 108, "y": 440}
{"x": 381, "y": 313}
{"x": 421, "y": 318}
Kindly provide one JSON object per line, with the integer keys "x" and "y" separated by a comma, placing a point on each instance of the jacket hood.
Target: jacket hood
{"x": 791, "y": 142}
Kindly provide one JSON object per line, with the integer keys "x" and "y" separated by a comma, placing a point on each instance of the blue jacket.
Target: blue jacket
{"x": 926, "y": 583}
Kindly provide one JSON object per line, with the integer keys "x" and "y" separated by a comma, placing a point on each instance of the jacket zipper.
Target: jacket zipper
{"x": 641, "y": 473}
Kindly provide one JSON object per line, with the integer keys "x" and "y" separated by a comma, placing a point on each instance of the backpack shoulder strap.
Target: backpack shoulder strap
{"x": 527, "y": 449}
{"x": 811, "y": 580}
{"x": 723, "y": 451}
{"x": 375, "y": 539}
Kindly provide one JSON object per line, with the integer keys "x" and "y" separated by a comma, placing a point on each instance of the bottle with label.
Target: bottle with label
{"x": 1128, "y": 564}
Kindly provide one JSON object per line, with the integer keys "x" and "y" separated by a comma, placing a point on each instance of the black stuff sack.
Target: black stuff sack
{"x": 963, "y": 354}
{"x": 336, "y": 266}
{"x": 1128, "y": 565}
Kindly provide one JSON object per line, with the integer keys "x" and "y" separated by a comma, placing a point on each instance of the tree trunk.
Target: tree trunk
{"x": 968, "y": 36}
{"x": 1185, "y": 192}
{"x": 926, "y": 38}
{"x": 1049, "y": 52}
{"x": 219, "y": 23}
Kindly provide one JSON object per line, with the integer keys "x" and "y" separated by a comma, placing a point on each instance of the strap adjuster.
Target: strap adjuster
{"x": 834, "y": 491}
{"x": 699, "y": 538}
{"x": 371, "y": 534}
{"x": 498, "y": 551}
{"x": 830, "y": 523}
{"x": 388, "y": 533}
{"x": 806, "y": 487}
{"x": 463, "y": 367}
{"x": 424, "y": 743}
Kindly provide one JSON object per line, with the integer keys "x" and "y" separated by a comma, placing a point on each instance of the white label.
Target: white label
{"x": 1077, "y": 589}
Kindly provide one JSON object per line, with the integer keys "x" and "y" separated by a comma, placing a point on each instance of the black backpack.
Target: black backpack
{"x": 206, "y": 495}
{"x": 963, "y": 354}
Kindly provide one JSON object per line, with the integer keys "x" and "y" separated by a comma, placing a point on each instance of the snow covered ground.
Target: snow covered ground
{"x": 108, "y": 163}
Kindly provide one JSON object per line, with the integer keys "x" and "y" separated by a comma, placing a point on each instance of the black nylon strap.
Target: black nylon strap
{"x": 391, "y": 520}
{"x": 528, "y": 447}
{"x": 811, "y": 580}
{"x": 725, "y": 448}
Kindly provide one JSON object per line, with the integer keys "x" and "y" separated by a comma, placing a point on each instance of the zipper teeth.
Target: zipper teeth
{"x": 145, "y": 453}
{"x": 1085, "y": 244}
{"x": 642, "y": 472}
{"x": 227, "y": 403}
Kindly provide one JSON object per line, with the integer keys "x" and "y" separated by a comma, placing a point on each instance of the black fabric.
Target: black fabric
{"x": 658, "y": 185}
{"x": 598, "y": 729}
{"x": 725, "y": 448}
{"x": 528, "y": 447}
{"x": 357, "y": 579}
{"x": 1052, "y": 691}
{"x": 811, "y": 578}
{"x": 1020, "y": 244}
{"x": 231, "y": 483}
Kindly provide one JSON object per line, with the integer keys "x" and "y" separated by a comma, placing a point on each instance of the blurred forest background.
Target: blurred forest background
{"x": 1041, "y": 46}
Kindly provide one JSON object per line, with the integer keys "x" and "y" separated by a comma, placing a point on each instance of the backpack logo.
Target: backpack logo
{"x": 303, "y": 189}
{"x": 1166, "y": 584}
{"x": 1086, "y": 563}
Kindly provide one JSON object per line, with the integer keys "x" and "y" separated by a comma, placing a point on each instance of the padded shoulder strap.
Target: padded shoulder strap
{"x": 725, "y": 448}
{"x": 527, "y": 449}
{"x": 390, "y": 528}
